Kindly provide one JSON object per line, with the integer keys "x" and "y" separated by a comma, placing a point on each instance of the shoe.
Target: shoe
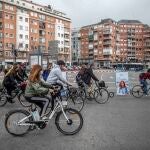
{"x": 44, "y": 118}
{"x": 10, "y": 100}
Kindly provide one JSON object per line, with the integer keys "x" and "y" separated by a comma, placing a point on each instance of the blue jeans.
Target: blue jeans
{"x": 144, "y": 84}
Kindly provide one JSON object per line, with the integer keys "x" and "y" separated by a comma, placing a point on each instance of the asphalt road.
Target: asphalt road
{"x": 121, "y": 124}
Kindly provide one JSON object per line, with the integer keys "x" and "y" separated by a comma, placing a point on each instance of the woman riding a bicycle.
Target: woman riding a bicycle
{"x": 36, "y": 89}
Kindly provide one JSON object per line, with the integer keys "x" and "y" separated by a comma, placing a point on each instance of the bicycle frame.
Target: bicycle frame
{"x": 57, "y": 106}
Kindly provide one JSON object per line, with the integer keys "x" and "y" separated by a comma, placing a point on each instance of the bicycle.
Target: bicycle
{"x": 137, "y": 91}
{"x": 18, "y": 92}
{"x": 31, "y": 120}
{"x": 73, "y": 99}
{"x": 99, "y": 94}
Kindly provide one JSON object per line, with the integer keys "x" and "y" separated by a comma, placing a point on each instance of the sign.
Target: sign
{"x": 122, "y": 83}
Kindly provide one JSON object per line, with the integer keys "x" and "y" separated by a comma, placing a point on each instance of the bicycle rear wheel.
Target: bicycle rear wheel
{"x": 3, "y": 98}
{"x": 23, "y": 100}
{"x": 12, "y": 124}
{"x": 101, "y": 96}
{"x": 76, "y": 103}
{"x": 72, "y": 126}
{"x": 137, "y": 91}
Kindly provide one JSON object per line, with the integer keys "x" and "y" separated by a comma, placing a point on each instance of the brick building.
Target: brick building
{"x": 31, "y": 27}
{"x": 109, "y": 42}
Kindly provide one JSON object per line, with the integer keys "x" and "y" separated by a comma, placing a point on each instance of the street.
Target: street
{"x": 122, "y": 123}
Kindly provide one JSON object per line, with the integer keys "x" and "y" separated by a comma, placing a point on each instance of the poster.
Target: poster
{"x": 122, "y": 83}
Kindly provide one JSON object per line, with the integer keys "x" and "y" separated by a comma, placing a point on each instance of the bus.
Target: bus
{"x": 130, "y": 66}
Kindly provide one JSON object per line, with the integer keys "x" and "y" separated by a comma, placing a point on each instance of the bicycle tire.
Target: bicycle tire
{"x": 76, "y": 103}
{"x": 8, "y": 122}
{"x": 3, "y": 98}
{"x": 137, "y": 89}
{"x": 23, "y": 100}
{"x": 98, "y": 95}
{"x": 74, "y": 114}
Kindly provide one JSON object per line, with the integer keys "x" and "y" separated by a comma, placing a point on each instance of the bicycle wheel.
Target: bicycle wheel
{"x": 12, "y": 124}
{"x": 23, "y": 100}
{"x": 82, "y": 93}
{"x": 3, "y": 98}
{"x": 101, "y": 96}
{"x": 76, "y": 103}
{"x": 72, "y": 126}
{"x": 137, "y": 91}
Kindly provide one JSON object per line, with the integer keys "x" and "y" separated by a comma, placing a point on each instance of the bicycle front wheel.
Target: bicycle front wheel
{"x": 101, "y": 96}
{"x": 71, "y": 126}
{"x": 15, "y": 122}
{"x": 137, "y": 91}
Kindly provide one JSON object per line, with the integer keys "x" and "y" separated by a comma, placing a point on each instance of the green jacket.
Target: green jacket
{"x": 37, "y": 89}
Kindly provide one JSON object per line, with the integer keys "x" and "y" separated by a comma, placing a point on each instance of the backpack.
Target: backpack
{"x": 102, "y": 84}
{"x": 79, "y": 79}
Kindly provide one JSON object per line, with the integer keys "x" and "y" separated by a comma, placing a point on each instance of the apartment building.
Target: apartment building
{"x": 109, "y": 42}
{"x": 30, "y": 27}
{"x": 75, "y": 46}
{"x": 146, "y": 44}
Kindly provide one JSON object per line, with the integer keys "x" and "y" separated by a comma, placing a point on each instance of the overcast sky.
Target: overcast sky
{"x": 85, "y": 12}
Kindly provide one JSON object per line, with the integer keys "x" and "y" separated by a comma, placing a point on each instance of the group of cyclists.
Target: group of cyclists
{"x": 40, "y": 81}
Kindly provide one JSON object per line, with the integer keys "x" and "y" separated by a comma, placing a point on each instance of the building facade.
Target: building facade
{"x": 108, "y": 42}
{"x": 30, "y": 27}
{"x": 75, "y": 46}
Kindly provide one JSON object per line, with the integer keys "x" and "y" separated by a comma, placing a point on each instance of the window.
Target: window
{"x": 26, "y": 28}
{"x": 7, "y": 35}
{"x": 11, "y": 26}
{"x": 6, "y": 6}
{"x": 11, "y": 8}
{"x": 6, "y": 16}
{"x": 11, "y": 17}
{"x": 23, "y": 4}
{"x": 20, "y": 18}
{"x": 21, "y": 36}
{"x": 26, "y": 19}
{"x": 6, "y": 53}
{"x": 1, "y": 35}
{"x": 26, "y": 46}
{"x": 20, "y": 45}
{"x": 62, "y": 35}
{"x": 11, "y": 35}
{"x": 21, "y": 27}
{"x": 62, "y": 42}
{"x": 7, "y": 26}
{"x": 26, "y": 37}
{"x": 58, "y": 34}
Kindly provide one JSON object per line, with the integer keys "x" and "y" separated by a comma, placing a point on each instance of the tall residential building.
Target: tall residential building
{"x": 147, "y": 44}
{"x": 30, "y": 27}
{"x": 75, "y": 46}
{"x": 109, "y": 41}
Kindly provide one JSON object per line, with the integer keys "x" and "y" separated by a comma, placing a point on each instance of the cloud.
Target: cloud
{"x": 84, "y": 12}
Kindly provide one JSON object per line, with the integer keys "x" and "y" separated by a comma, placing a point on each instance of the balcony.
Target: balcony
{"x": 107, "y": 37}
{"x": 107, "y": 43}
{"x": 105, "y": 32}
{"x": 91, "y": 46}
{"x": 42, "y": 25}
{"x": 91, "y": 37}
{"x": 107, "y": 51}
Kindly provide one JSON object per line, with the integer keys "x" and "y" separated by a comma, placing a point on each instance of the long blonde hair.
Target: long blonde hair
{"x": 35, "y": 73}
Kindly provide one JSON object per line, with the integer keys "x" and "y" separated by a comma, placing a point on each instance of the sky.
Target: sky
{"x": 86, "y": 12}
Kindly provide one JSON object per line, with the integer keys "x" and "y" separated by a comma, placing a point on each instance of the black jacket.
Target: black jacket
{"x": 10, "y": 80}
{"x": 88, "y": 75}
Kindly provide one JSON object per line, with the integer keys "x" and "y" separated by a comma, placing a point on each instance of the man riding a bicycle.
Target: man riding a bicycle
{"x": 143, "y": 80}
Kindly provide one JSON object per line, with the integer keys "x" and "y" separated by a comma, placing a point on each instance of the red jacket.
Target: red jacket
{"x": 144, "y": 76}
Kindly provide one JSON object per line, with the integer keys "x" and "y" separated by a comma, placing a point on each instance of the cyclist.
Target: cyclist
{"x": 87, "y": 75}
{"x": 46, "y": 72}
{"x": 10, "y": 82}
{"x": 55, "y": 77}
{"x": 142, "y": 78}
{"x": 36, "y": 89}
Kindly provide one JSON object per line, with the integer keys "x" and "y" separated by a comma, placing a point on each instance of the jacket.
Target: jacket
{"x": 55, "y": 76}
{"x": 37, "y": 89}
{"x": 10, "y": 80}
{"x": 88, "y": 75}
